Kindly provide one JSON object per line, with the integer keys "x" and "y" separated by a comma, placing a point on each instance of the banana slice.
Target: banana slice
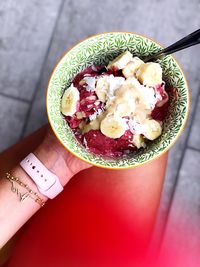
{"x": 113, "y": 126}
{"x": 135, "y": 96}
{"x": 138, "y": 141}
{"x": 69, "y": 101}
{"x": 133, "y": 81}
{"x": 131, "y": 68}
{"x": 141, "y": 113}
{"x": 150, "y": 74}
{"x": 80, "y": 115}
{"x": 126, "y": 91}
{"x": 93, "y": 125}
{"x": 81, "y": 125}
{"x": 122, "y": 103}
{"x": 122, "y": 106}
{"x": 101, "y": 89}
{"x": 125, "y": 108}
{"x": 153, "y": 129}
{"x": 121, "y": 61}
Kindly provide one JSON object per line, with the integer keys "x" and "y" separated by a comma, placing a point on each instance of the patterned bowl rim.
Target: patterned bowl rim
{"x": 101, "y": 165}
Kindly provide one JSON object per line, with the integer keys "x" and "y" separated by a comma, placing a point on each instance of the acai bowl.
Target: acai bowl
{"x": 111, "y": 109}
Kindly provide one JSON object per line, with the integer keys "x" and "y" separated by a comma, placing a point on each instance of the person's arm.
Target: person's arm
{"x": 13, "y": 212}
{"x": 135, "y": 193}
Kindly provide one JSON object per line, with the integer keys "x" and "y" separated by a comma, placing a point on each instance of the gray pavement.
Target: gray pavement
{"x": 34, "y": 34}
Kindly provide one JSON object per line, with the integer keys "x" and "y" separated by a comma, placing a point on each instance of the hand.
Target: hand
{"x": 57, "y": 159}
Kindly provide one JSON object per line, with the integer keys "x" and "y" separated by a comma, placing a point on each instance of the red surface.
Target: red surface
{"x": 87, "y": 225}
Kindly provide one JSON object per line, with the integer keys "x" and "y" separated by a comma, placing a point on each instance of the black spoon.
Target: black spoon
{"x": 189, "y": 40}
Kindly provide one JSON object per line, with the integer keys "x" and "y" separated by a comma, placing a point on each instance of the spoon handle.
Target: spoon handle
{"x": 189, "y": 40}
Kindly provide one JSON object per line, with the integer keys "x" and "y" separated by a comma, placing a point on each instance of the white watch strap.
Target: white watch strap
{"x": 47, "y": 182}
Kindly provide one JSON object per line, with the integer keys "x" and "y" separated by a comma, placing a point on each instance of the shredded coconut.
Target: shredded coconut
{"x": 114, "y": 84}
{"x": 149, "y": 96}
{"x": 94, "y": 116}
{"x": 85, "y": 143}
{"x": 91, "y": 81}
{"x": 94, "y": 68}
{"x": 136, "y": 127}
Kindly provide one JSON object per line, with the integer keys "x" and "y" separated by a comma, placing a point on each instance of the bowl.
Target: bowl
{"x": 99, "y": 50}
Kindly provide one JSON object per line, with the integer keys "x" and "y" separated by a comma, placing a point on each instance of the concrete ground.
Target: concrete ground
{"x": 33, "y": 36}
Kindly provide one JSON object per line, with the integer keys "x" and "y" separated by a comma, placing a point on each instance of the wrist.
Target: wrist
{"x": 57, "y": 159}
{"x": 52, "y": 156}
{"x": 23, "y": 177}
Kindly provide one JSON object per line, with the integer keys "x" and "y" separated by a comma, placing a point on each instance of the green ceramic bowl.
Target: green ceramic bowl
{"x": 99, "y": 50}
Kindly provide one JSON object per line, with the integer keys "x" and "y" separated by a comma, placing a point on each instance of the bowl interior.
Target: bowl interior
{"x": 99, "y": 50}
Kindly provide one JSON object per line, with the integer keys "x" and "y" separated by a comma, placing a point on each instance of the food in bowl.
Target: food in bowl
{"x": 115, "y": 110}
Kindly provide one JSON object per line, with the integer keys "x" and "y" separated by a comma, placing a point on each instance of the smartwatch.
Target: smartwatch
{"x": 47, "y": 182}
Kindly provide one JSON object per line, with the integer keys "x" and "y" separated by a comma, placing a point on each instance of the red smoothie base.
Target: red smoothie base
{"x": 94, "y": 140}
